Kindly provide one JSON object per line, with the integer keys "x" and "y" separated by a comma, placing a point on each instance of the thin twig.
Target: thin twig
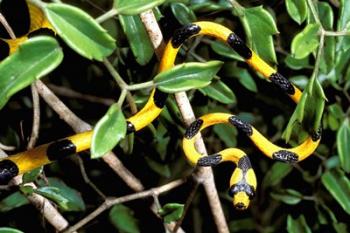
{"x": 87, "y": 179}
{"x": 187, "y": 206}
{"x": 36, "y": 118}
{"x": 109, "y": 202}
{"x": 63, "y": 91}
{"x": 7, "y": 26}
{"x": 6, "y": 147}
{"x": 78, "y": 126}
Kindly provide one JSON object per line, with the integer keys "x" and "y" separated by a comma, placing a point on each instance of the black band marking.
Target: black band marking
{"x": 159, "y": 98}
{"x": 242, "y": 187}
{"x": 8, "y": 170}
{"x": 60, "y": 149}
{"x": 241, "y": 125}
{"x": 239, "y": 46}
{"x": 244, "y": 164}
{"x": 285, "y": 156}
{"x": 42, "y": 32}
{"x": 4, "y": 49}
{"x": 193, "y": 128}
{"x": 316, "y": 135}
{"x": 282, "y": 83}
{"x": 130, "y": 128}
{"x": 183, "y": 34}
{"x": 210, "y": 160}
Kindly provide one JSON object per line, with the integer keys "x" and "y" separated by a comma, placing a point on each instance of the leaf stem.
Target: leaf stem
{"x": 139, "y": 86}
{"x": 314, "y": 12}
{"x": 122, "y": 98}
{"x": 109, "y": 14}
{"x": 340, "y": 33}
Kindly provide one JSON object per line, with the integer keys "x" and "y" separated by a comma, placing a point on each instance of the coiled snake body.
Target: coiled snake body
{"x": 243, "y": 181}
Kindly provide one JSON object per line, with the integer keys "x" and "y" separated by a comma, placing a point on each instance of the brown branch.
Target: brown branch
{"x": 203, "y": 175}
{"x": 109, "y": 202}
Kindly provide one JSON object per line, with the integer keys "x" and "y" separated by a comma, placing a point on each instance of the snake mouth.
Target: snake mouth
{"x": 240, "y": 206}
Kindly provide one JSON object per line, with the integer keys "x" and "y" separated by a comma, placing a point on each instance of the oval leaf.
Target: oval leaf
{"x": 123, "y": 219}
{"x": 306, "y": 41}
{"x": 13, "y": 201}
{"x": 289, "y": 196}
{"x": 138, "y": 38}
{"x": 219, "y": 91}
{"x": 187, "y": 76}
{"x": 134, "y": 7}
{"x": 183, "y": 14}
{"x": 338, "y": 185}
{"x": 297, "y": 10}
{"x": 297, "y": 225}
{"x": 34, "y": 59}
{"x": 9, "y": 230}
{"x": 109, "y": 130}
{"x": 276, "y": 173}
{"x": 171, "y": 212}
{"x": 343, "y": 145}
{"x": 224, "y": 50}
{"x": 80, "y": 31}
{"x": 260, "y": 27}
{"x": 65, "y": 197}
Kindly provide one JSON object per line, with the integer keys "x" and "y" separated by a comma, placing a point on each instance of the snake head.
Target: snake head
{"x": 241, "y": 194}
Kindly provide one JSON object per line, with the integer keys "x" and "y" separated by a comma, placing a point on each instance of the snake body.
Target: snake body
{"x": 243, "y": 180}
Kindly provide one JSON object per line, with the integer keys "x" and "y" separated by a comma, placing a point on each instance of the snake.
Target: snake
{"x": 243, "y": 182}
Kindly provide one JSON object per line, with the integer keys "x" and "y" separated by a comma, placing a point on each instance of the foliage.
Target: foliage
{"x": 309, "y": 42}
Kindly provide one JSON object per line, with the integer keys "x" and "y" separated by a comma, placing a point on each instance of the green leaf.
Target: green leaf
{"x": 171, "y": 212}
{"x": 343, "y": 24}
{"x": 297, "y": 10}
{"x": 288, "y": 196}
{"x": 123, "y": 219}
{"x": 276, "y": 173}
{"x": 32, "y": 175}
{"x": 306, "y": 41}
{"x": 134, "y": 7}
{"x": 109, "y": 130}
{"x": 186, "y": 76}
{"x": 241, "y": 225}
{"x": 309, "y": 109}
{"x": 224, "y": 50}
{"x": 245, "y": 78}
{"x": 80, "y": 31}
{"x": 297, "y": 225}
{"x": 338, "y": 185}
{"x": 66, "y": 198}
{"x": 219, "y": 91}
{"x": 182, "y": 13}
{"x": 260, "y": 26}
{"x": 138, "y": 38}
{"x": 327, "y": 19}
{"x": 33, "y": 59}
{"x": 227, "y": 134}
{"x": 161, "y": 169}
{"x": 297, "y": 64}
{"x": 343, "y": 145}
{"x": 54, "y": 194}
{"x": 13, "y": 201}
{"x": 9, "y": 230}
